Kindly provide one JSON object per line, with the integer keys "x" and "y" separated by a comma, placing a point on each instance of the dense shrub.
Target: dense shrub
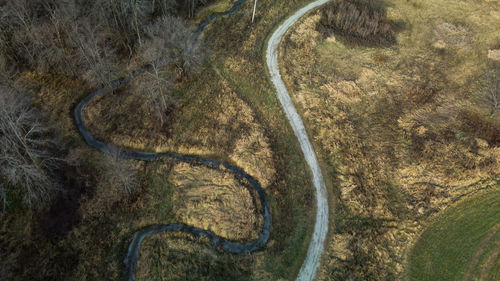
{"x": 361, "y": 21}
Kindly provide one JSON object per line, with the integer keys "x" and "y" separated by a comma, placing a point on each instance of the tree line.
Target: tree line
{"x": 90, "y": 41}
{"x": 81, "y": 38}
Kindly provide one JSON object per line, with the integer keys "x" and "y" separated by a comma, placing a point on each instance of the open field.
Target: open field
{"x": 400, "y": 126}
{"x": 462, "y": 243}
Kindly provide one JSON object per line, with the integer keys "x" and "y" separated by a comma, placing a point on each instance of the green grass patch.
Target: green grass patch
{"x": 460, "y": 242}
{"x": 216, "y": 7}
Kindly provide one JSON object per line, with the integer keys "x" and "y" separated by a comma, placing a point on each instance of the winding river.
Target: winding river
{"x": 308, "y": 269}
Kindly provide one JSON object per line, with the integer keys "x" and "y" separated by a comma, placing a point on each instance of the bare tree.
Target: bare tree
{"x": 156, "y": 86}
{"x": 95, "y": 57}
{"x": 18, "y": 20}
{"x": 170, "y": 39}
{"x": 27, "y": 148}
{"x": 120, "y": 172}
{"x": 162, "y": 7}
{"x": 193, "y": 4}
{"x": 73, "y": 35}
{"x": 7, "y": 72}
{"x": 363, "y": 20}
{"x": 192, "y": 58}
{"x": 34, "y": 33}
{"x": 166, "y": 38}
{"x": 8, "y": 260}
{"x": 125, "y": 18}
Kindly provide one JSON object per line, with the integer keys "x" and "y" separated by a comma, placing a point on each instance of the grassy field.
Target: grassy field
{"x": 398, "y": 125}
{"x": 462, "y": 243}
{"x": 237, "y": 60}
{"x": 397, "y": 129}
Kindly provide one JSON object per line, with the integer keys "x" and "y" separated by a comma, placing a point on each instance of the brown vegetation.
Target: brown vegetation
{"x": 401, "y": 130}
{"x": 225, "y": 126}
{"x": 28, "y": 151}
{"x": 169, "y": 255}
{"x": 215, "y": 200}
{"x": 228, "y": 112}
{"x": 447, "y": 34}
{"x": 359, "y": 20}
{"x": 83, "y": 39}
{"x": 494, "y": 55}
{"x": 490, "y": 94}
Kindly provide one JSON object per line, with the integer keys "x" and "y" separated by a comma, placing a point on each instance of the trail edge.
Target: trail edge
{"x": 311, "y": 263}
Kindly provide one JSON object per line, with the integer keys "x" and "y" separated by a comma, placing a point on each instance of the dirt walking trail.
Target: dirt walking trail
{"x": 312, "y": 261}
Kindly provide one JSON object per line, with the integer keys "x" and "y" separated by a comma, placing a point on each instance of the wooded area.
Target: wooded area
{"x": 90, "y": 41}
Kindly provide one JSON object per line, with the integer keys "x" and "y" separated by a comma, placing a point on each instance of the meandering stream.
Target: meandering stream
{"x": 311, "y": 263}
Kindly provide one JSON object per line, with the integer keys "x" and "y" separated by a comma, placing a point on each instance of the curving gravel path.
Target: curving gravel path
{"x": 311, "y": 263}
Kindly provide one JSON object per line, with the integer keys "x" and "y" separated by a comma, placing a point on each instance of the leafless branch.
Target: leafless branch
{"x": 120, "y": 172}
{"x": 26, "y": 150}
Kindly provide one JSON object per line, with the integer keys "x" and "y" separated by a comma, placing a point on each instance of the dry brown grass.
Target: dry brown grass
{"x": 399, "y": 126}
{"x": 211, "y": 122}
{"x": 56, "y": 95}
{"x": 167, "y": 255}
{"x": 229, "y": 112}
{"x": 494, "y": 55}
{"x": 215, "y": 200}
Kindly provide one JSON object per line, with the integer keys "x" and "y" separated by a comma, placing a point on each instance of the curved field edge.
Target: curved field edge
{"x": 377, "y": 223}
{"x": 458, "y": 242}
